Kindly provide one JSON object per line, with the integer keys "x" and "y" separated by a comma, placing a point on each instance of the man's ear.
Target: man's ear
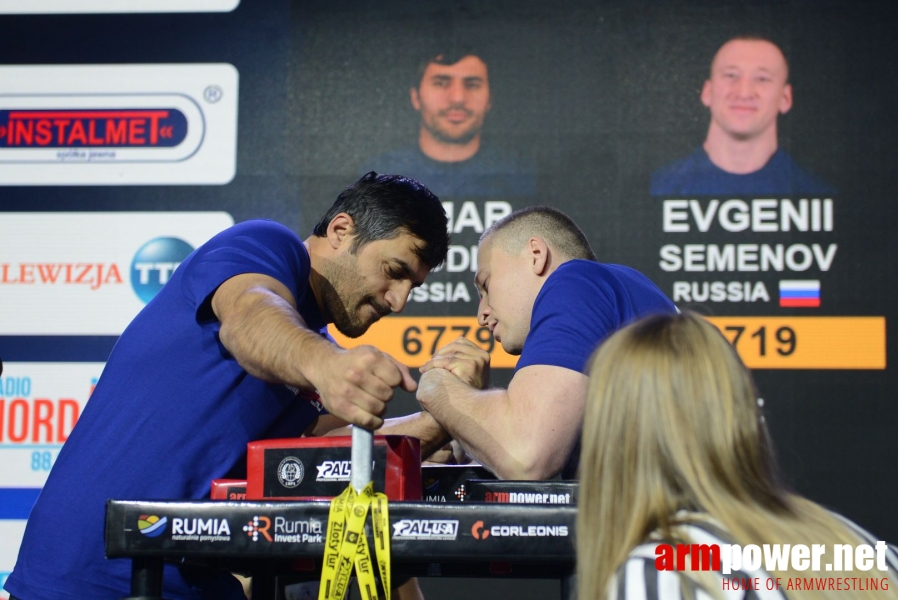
{"x": 538, "y": 255}
{"x": 786, "y": 99}
{"x": 340, "y": 231}
{"x": 706, "y": 93}
{"x": 416, "y": 99}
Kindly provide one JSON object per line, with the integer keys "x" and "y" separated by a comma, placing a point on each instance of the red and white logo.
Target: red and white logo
{"x": 83, "y": 273}
{"x": 118, "y": 124}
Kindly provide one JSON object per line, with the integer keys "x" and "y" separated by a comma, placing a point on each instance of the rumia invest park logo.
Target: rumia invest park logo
{"x": 256, "y": 526}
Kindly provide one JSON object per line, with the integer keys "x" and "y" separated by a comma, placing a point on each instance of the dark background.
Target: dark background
{"x": 597, "y": 95}
{"x": 600, "y": 95}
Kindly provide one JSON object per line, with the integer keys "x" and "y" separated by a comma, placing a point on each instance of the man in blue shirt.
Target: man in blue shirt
{"x": 233, "y": 349}
{"x": 747, "y": 89}
{"x": 545, "y": 298}
{"x": 452, "y": 96}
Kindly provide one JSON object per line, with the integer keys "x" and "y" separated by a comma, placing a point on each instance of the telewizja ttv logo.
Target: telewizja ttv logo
{"x": 154, "y": 264}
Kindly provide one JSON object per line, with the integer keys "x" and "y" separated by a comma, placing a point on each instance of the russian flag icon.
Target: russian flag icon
{"x": 803, "y": 293}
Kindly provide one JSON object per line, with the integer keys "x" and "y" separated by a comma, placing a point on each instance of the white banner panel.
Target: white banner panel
{"x": 39, "y": 405}
{"x": 91, "y": 273}
{"x": 114, "y": 6}
{"x": 118, "y": 124}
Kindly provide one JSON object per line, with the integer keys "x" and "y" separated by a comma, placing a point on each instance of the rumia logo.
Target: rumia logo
{"x": 256, "y": 526}
{"x": 151, "y": 525}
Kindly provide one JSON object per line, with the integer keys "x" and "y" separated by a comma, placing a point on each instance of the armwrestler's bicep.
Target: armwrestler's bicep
{"x": 228, "y": 299}
{"x": 548, "y": 406}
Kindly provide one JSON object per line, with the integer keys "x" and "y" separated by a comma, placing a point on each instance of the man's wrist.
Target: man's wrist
{"x": 432, "y": 435}
{"x": 310, "y": 354}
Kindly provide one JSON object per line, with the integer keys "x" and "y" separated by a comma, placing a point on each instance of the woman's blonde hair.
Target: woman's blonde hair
{"x": 672, "y": 423}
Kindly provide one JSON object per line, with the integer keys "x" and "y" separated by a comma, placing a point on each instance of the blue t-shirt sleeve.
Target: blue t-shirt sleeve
{"x": 571, "y": 316}
{"x": 263, "y": 247}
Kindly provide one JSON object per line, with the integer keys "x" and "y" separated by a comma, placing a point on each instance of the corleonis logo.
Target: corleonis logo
{"x": 99, "y": 128}
{"x": 479, "y": 532}
{"x": 151, "y": 525}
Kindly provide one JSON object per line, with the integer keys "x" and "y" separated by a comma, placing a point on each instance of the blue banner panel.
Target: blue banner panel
{"x": 54, "y": 348}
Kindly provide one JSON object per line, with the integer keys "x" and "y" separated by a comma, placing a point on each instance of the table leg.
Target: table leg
{"x": 146, "y": 579}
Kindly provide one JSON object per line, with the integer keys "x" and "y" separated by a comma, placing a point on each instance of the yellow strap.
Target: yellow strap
{"x": 347, "y": 546}
{"x": 380, "y": 518}
{"x": 336, "y": 527}
{"x": 364, "y": 572}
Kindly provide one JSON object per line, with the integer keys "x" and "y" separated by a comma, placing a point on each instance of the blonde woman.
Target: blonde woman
{"x": 675, "y": 451}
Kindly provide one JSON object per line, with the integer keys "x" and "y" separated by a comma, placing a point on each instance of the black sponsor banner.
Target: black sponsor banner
{"x": 315, "y": 471}
{"x": 471, "y": 532}
{"x": 448, "y": 483}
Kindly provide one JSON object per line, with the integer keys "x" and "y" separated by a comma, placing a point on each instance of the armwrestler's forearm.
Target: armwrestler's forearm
{"x": 270, "y": 340}
{"x": 492, "y": 429}
{"x": 418, "y": 425}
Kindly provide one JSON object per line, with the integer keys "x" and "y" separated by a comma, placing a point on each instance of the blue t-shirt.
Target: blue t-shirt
{"x": 172, "y": 411}
{"x": 696, "y": 175}
{"x": 581, "y": 304}
{"x": 488, "y": 174}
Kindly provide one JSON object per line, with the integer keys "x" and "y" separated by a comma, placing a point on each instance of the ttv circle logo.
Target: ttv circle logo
{"x": 154, "y": 264}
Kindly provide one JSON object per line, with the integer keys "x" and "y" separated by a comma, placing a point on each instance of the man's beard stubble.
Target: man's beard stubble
{"x": 340, "y": 306}
{"x": 442, "y": 136}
